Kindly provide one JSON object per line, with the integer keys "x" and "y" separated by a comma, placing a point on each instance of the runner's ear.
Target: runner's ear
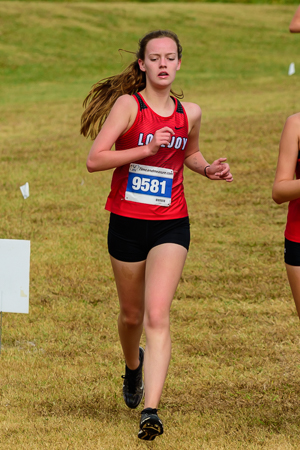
{"x": 142, "y": 66}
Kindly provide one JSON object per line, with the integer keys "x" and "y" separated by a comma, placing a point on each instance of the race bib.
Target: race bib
{"x": 150, "y": 185}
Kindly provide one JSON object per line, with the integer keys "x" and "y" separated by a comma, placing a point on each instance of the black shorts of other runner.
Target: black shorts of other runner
{"x": 292, "y": 253}
{"x": 130, "y": 240}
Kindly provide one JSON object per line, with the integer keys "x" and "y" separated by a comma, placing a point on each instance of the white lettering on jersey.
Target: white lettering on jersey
{"x": 172, "y": 142}
{"x": 141, "y": 139}
{"x": 149, "y": 138}
{"x": 176, "y": 142}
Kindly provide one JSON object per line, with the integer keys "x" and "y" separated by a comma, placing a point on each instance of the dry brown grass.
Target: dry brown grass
{"x": 234, "y": 376}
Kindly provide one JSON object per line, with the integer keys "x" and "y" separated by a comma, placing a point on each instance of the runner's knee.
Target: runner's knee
{"x": 131, "y": 319}
{"x": 157, "y": 319}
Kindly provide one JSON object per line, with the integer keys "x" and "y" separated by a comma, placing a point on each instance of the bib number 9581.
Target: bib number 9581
{"x": 150, "y": 185}
{"x": 146, "y": 184}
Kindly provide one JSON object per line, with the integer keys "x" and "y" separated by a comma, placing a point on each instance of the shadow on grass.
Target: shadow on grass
{"x": 269, "y": 409}
{"x": 97, "y": 407}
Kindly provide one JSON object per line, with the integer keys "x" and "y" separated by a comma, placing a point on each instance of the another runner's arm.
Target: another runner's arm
{"x": 295, "y": 23}
{"x": 119, "y": 120}
{"x": 285, "y": 187}
{"x": 194, "y": 160}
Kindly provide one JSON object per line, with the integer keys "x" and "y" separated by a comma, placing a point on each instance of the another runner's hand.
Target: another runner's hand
{"x": 161, "y": 137}
{"x": 219, "y": 170}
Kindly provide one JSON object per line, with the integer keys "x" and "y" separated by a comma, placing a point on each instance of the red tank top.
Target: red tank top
{"x": 292, "y": 231}
{"x": 139, "y": 190}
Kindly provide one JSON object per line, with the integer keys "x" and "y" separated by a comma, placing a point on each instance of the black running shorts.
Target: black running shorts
{"x": 131, "y": 240}
{"x": 292, "y": 253}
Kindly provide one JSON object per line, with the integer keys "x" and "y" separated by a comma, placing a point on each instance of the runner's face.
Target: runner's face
{"x": 161, "y": 61}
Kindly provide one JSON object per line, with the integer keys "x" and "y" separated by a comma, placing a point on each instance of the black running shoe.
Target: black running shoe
{"x": 151, "y": 425}
{"x": 133, "y": 386}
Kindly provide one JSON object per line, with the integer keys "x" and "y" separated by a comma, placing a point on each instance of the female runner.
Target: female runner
{"x": 148, "y": 238}
{"x": 286, "y": 188}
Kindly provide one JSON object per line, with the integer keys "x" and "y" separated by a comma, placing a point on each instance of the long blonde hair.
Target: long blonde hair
{"x": 103, "y": 94}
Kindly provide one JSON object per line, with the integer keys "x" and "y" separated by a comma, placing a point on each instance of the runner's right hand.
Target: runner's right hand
{"x": 161, "y": 137}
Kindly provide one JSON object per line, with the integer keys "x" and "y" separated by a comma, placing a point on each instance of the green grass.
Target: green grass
{"x": 233, "y": 381}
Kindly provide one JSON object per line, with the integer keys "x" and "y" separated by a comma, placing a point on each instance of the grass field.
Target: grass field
{"x": 234, "y": 377}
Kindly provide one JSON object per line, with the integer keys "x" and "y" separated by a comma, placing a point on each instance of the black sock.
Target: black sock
{"x": 149, "y": 410}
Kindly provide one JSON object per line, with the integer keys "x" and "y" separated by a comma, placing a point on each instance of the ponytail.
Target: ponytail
{"x": 103, "y": 95}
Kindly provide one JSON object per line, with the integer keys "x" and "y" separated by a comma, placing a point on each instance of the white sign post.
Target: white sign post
{"x": 14, "y": 277}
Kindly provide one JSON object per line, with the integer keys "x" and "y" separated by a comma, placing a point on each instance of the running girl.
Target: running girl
{"x": 148, "y": 238}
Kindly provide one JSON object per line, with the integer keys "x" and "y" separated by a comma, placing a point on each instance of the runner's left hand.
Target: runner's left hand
{"x": 219, "y": 170}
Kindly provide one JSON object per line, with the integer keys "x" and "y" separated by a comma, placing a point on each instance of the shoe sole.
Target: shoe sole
{"x": 150, "y": 429}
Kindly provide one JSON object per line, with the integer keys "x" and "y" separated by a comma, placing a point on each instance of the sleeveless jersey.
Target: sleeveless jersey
{"x": 292, "y": 231}
{"x": 151, "y": 188}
